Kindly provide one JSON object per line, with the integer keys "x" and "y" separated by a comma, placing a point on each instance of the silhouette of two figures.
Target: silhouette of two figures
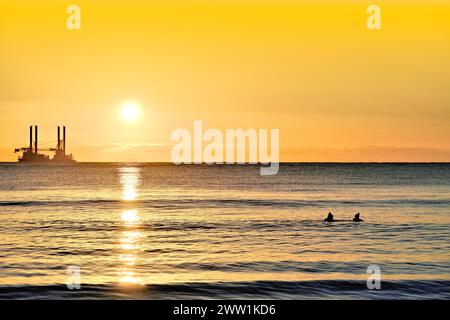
{"x": 330, "y": 218}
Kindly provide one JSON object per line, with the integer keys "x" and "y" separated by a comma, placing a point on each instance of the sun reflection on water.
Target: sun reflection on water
{"x": 129, "y": 178}
{"x": 130, "y": 217}
{"x": 130, "y": 241}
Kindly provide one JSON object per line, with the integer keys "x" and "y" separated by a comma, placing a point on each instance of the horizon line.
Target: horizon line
{"x": 249, "y": 164}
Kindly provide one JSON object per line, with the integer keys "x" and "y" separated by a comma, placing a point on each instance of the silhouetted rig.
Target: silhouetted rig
{"x": 31, "y": 154}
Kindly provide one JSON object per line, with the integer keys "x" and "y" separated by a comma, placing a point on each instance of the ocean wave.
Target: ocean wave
{"x": 230, "y": 203}
{"x": 317, "y": 289}
{"x": 322, "y": 267}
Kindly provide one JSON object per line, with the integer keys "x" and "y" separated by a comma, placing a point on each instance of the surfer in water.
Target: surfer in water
{"x": 357, "y": 219}
{"x": 329, "y": 218}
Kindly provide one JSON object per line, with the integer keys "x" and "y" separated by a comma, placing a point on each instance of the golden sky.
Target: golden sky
{"x": 336, "y": 90}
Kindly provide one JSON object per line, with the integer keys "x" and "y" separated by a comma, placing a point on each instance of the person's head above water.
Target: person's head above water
{"x": 329, "y": 217}
{"x": 356, "y": 218}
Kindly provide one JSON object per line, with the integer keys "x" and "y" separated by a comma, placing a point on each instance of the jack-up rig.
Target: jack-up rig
{"x": 31, "y": 154}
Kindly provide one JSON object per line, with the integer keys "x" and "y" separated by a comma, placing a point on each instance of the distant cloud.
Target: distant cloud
{"x": 136, "y": 147}
{"x": 161, "y": 152}
{"x": 370, "y": 154}
{"x": 118, "y": 151}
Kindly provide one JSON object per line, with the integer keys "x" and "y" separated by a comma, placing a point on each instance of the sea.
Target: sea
{"x": 165, "y": 231}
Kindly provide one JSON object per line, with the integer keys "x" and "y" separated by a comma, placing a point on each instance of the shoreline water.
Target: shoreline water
{"x": 304, "y": 290}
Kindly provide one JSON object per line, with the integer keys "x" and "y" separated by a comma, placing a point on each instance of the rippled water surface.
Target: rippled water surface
{"x": 165, "y": 231}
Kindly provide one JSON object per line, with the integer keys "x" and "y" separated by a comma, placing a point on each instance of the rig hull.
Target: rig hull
{"x": 41, "y": 158}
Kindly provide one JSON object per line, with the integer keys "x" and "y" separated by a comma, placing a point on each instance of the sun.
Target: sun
{"x": 130, "y": 111}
